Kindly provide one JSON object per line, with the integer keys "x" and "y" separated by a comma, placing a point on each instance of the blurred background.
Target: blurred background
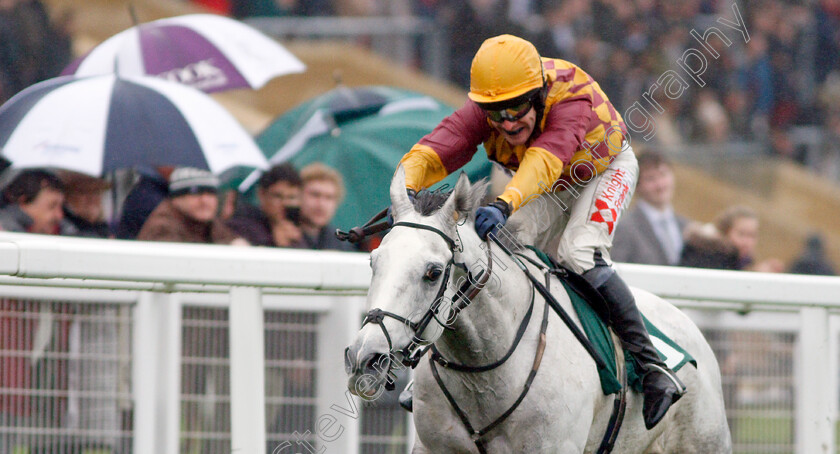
{"x": 763, "y": 131}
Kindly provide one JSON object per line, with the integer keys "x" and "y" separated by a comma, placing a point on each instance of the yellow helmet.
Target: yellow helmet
{"x": 504, "y": 67}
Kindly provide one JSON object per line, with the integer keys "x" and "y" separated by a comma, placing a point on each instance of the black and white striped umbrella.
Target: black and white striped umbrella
{"x": 98, "y": 124}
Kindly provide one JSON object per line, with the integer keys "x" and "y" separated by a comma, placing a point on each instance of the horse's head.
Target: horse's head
{"x": 411, "y": 273}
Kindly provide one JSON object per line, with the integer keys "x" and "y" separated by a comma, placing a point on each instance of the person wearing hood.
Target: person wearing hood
{"x": 813, "y": 260}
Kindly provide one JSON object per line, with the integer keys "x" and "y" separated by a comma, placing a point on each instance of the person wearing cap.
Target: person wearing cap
{"x": 188, "y": 214}
{"x": 549, "y": 122}
{"x": 83, "y": 212}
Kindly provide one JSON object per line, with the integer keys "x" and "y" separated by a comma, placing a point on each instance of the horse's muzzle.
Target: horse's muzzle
{"x": 373, "y": 364}
{"x": 368, "y": 375}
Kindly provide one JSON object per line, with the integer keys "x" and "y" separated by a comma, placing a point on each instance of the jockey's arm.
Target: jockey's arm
{"x": 446, "y": 149}
{"x": 423, "y": 167}
{"x": 544, "y": 161}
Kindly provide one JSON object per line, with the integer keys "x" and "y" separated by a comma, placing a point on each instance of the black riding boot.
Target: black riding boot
{"x": 660, "y": 385}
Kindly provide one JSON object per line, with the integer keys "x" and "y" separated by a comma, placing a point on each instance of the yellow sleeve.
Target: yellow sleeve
{"x": 538, "y": 166}
{"x": 423, "y": 167}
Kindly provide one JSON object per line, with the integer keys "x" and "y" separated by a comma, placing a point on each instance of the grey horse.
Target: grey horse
{"x": 564, "y": 410}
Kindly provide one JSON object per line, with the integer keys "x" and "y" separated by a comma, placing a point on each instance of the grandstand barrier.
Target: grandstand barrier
{"x": 118, "y": 346}
{"x": 404, "y": 39}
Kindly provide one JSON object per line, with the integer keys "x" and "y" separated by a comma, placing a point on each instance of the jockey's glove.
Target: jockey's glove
{"x": 490, "y": 217}
{"x": 411, "y": 196}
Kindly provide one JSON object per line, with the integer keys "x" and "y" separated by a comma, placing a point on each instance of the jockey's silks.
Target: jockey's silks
{"x": 579, "y": 134}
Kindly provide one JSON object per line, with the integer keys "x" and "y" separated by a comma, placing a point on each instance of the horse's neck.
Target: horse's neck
{"x": 484, "y": 331}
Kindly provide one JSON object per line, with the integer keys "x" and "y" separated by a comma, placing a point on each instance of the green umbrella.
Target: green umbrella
{"x": 362, "y": 133}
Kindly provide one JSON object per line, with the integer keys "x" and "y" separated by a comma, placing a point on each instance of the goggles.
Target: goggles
{"x": 511, "y": 113}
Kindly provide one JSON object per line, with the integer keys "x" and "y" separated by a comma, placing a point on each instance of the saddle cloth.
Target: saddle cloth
{"x": 595, "y": 328}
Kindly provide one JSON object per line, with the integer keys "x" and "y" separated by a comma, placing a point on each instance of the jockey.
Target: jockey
{"x": 549, "y": 122}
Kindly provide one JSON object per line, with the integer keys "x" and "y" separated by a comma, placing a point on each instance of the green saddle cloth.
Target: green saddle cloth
{"x": 674, "y": 356}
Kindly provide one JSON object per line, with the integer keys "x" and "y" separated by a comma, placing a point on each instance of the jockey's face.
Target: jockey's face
{"x": 518, "y": 131}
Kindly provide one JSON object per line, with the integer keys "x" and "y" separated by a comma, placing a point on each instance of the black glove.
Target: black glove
{"x": 491, "y": 216}
{"x": 411, "y": 196}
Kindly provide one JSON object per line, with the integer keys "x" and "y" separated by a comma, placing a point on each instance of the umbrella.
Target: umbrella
{"x": 362, "y": 133}
{"x": 98, "y": 124}
{"x": 208, "y": 52}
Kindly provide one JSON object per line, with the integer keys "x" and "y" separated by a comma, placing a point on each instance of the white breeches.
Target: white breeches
{"x": 576, "y": 221}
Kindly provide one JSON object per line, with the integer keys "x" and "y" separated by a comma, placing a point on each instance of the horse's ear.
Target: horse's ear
{"x": 400, "y": 203}
{"x": 459, "y": 202}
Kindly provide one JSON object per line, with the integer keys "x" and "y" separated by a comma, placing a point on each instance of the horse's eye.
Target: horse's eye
{"x": 433, "y": 272}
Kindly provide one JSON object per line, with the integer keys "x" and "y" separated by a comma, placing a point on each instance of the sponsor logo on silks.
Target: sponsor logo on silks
{"x": 616, "y": 190}
{"x": 611, "y": 200}
{"x": 201, "y": 75}
{"x": 605, "y": 214}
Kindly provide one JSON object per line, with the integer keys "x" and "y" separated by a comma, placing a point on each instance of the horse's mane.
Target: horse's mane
{"x": 427, "y": 202}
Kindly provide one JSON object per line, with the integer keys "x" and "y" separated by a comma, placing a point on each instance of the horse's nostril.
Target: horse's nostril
{"x": 378, "y": 363}
{"x": 348, "y": 361}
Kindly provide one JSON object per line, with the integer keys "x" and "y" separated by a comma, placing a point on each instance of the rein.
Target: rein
{"x": 477, "y": 435}
{"x": 357, "y": 234}
{"x": 549, "y": 298}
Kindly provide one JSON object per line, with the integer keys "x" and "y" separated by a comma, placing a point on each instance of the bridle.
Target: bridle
{"x": 417, "y": 347}
{"x": 415, "y": 350}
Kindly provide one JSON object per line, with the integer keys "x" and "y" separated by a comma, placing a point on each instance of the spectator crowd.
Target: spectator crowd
{"x": 293, "y": 210}
{"x": 778, "y": 85}
{"x": 768, "y": 86}
{"x": 653, "y": 233}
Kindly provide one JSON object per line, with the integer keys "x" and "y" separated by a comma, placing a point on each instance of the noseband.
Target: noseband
{"x": 414, "y": 351}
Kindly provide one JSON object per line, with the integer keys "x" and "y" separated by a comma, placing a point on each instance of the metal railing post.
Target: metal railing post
{"x": 247, "y": 371}
{"x": 143, "y": 374}
{"x": 338, "y": 424}
{"x": 814, "y": 417}
{"x": 156, "y": 373}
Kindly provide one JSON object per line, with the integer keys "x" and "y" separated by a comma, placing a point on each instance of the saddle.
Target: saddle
{"x": 593, "y": 312}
